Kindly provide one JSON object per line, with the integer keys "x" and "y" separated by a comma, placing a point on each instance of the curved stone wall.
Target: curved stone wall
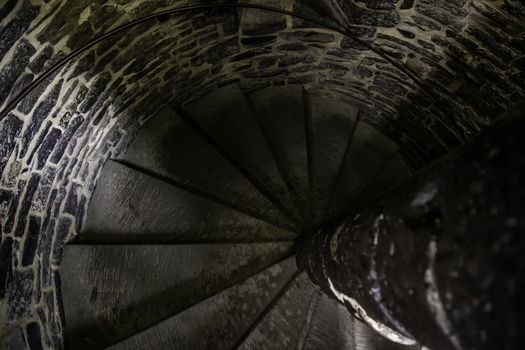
{"x": 470, "y": 50}
{"x": 457, "y": 65}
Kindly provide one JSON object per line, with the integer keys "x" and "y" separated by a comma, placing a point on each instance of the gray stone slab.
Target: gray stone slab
{"x": 131, "y": 206}
{"x": 168, "y": 146}
{"x": 334, "y": 327}
{"x": 226, "y": 117}
{"x": 369, "y": 154}
{"x": 112, "y": 292}
{"x": 282, "y": 326}
{"x": 217, "y": 322}
{"x": 393, "y": 174}
{"x": 331, "y": 123}
{"x": 331, "y": 327}
{"x": 281, "y": 114}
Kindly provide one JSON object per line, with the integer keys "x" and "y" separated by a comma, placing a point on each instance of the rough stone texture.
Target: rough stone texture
{"x": 243, "y": 300}
{"x": 467, "y": 56}
{"x": 466, "y": 53}
{"x": 425, "y": 261}
{"x": 164, "y": 276}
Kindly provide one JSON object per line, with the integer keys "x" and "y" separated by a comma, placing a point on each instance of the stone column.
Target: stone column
{"x": 441, "y": 259}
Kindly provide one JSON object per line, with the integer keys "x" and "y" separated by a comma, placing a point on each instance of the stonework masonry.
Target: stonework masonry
{"x": 458, "y": 64}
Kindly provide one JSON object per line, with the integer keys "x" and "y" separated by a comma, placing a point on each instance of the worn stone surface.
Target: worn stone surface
{"x": 176, "y": 276}
{"x": 164, "y": 213}
{"x": 161, "y": 147}
{"x": 243, "y": 303}
{"x": 282, "y": 326}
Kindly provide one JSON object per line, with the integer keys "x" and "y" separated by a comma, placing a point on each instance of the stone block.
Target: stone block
{"x": 19, "y": 294}
{"x": 359, "y": 15}
{"x": 34, "y": 338}
{"x": 15, "y": 340}
{"x": 217, "y": 53}
{"x": 10, "y": 128}
{"x": 31, "y": 241}
{"x": 310, "y": 36}
{"x": 65, "y": 139}
{"x": 25, "y": 204}
{"x": 258, "y": 40}
{"x": 42, "y": 111}
{"x": 10, "y": 72}
{"x": 6, "y": 249}
{"x": 14, "y": 29}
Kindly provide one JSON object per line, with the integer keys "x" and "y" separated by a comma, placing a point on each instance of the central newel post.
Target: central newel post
{"x": 440, "y": 260}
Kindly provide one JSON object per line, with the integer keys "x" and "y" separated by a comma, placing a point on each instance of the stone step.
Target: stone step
{"x": 331, "y": 125}
{"x": 129, "y": 205}
{"x": 217, "y": 322}
{"x": 168, "y": 146}
{"x": 112, "y": 292}
{"x": 369, "y": 153}
{"x": 331, "y": 326}
{"x": 280, "y": 113}
{"x": 394, "y": 173}
{"x": 282, "y": 325}
{"x": 226, "y": 119}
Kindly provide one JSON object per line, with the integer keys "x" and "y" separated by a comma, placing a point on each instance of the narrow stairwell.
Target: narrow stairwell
{"x": 188, "y": 241}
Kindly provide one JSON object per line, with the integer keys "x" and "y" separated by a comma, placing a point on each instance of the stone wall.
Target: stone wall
{"x": 439, "y": 72}
{"x": 469, "y": 55}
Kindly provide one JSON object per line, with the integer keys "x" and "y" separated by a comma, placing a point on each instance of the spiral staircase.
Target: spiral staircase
{"x": 189, "y": 238}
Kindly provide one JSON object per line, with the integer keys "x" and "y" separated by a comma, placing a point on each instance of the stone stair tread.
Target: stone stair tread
{"x": 366, "y": 338}
{"x": 111, "y": 292}
{"x": 331, "y": 124}
{"x": 281, "y": 327}
{"x": 280, "y": 111}
{"x": 221, "y": 115}
{"x": 369, "y": 153}
{"x": 163, "y": 145}
{"x": 332, "y": 326}
{"x": 217, "y": 322}
{"x": 128, "y": 203}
